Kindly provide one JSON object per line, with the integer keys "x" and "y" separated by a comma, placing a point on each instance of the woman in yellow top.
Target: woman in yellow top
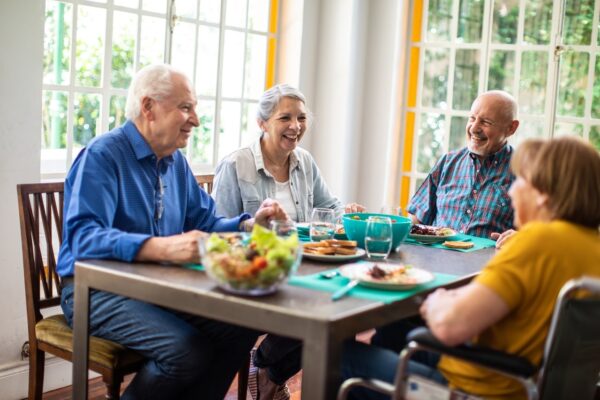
{"x": 508, "y": 307}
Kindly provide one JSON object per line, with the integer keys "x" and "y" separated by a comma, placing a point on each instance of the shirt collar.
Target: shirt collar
{"x": 140, "y": 147}
{"x": 258, "y": 157}
{"x": 502, "y": 154}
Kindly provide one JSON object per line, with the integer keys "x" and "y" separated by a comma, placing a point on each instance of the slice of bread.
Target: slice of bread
{"x": 458, "y": 245}
{"x": 320, "y": 250}
{"x": 342, "y": 243}
{"x": 346, "y": 251}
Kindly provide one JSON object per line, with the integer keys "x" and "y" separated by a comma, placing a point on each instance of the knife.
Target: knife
{"x": 344, "y": 290}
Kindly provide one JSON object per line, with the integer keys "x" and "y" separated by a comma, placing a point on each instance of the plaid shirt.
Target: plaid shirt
{"x": 466, "y": 194}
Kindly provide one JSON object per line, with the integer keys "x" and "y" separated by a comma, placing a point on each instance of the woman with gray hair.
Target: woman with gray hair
{"x": 274, "y": 166}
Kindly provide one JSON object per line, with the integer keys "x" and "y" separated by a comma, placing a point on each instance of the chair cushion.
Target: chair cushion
{"x": 55, "y": 331}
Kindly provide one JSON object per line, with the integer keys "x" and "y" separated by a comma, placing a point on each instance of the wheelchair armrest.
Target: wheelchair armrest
{"x": 493, "y": 359}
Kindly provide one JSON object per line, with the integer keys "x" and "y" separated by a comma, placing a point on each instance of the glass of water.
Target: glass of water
{"x": 378, "y": 237}
{"x": 322, "y": 224}
{"x": 283, "y": 228}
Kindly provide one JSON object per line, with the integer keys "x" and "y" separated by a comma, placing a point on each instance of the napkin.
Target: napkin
{"x": 478, "y": 242}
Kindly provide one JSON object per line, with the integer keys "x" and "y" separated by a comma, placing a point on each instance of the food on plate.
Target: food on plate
{"x": 458, "y": 244}
{"x": 358, "y": 218}
{"x": 428, "y": 230}
{"x": 340, "y": 230}
{"x": 331, "y": 247}
{"x": 390, "y": 274}
{"x": 258, "y": 262}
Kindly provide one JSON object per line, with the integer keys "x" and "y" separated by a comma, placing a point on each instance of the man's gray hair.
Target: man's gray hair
{"x": 510, "y": 109}
{"x": 154, "y": 81}
{"x": 270, "y": 99}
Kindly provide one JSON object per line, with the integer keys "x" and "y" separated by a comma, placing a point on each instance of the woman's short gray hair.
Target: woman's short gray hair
{"x": 154, "y": 81}
{"x": 270, "y": 99}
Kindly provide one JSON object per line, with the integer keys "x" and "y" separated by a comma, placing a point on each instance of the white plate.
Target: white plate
{"x": 359, "y": 271}
{"x": 432, "y": 238}
{"x": 336, "y": 257}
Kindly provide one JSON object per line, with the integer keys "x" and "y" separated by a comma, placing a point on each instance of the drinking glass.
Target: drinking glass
{"x": 391, "y": 210}
{"x": 283, "y": 228}
{"x": 378, "y": 237}
{"x": 322, "y": 224}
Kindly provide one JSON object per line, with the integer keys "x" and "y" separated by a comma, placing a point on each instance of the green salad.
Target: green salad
{"x": 259, "y": 261}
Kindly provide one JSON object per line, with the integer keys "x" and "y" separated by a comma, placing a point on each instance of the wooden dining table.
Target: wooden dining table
{"x": 293, "y": 311}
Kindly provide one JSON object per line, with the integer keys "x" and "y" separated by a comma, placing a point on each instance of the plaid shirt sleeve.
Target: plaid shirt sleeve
{"x": 423, "y": 203}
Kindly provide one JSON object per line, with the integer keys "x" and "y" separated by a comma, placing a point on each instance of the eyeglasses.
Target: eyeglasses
{"x": 159, "y": 207}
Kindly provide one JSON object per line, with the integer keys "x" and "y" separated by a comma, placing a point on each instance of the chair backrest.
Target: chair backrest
{"x": 572, "y": 351}
{"x": 41, "y": 216}
{"x": 205, "y": 182}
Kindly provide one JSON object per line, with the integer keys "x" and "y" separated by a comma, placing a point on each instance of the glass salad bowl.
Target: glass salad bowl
{"x": 250, "y": 264}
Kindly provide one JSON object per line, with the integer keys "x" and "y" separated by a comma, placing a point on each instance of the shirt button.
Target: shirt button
{"x": 468, "y": 211}
{"x": 296, "y": 202}
{"x": 462, "y": 231}
{"x": 475, "y": 191}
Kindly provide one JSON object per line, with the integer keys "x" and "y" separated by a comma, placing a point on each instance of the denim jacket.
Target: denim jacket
{"x": 242, "y": 183}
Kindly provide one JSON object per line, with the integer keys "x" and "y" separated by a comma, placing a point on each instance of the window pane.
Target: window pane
{"x": 54, "y": 119}
{"x": 123, "y": 48}
{"x": 538, "y": 21}
{"x": 210, "y": 10}
{"x": 202, "y": 139}
{"x": 596, "y": 89}
{"x": 186, "y": 8}
{"x": 250, "y": 129}
{"x": 208, "y": 50}
{"x": 577, "y": 28}
{"x": 256, "y": 60}
{"x": 236, "y": 13}
{"x": 435, "y": 78}
{"x": 158, "y": 6}
{"x": 57, "y": 42}
{"x": 466, "y": 78}
{"x": 233, "y": 64}
{"x": 91, "y": 22}
{"x": 116, "y": 115}
{"x": 258, "y": 15}
{"x": 532, "y": 85}
{"x": 182, "y": 56}
{"x": 528, "y": 128}
{"x": 431, "y": 139}
{"x": 230, "y": 128}
{"x": 595, "y": 137}
{"x": 573, "y": 83}
{"x": 152, "y": 48}
{"x": 506, "y": 19}
{"x": 127, "y": 3}
{"x": 470, "y": 20}
{"x": 439, "y": 20}
{"x": 458, "y": 135}
{"x": 86, "y": 118}
{"x": 502, "y": 70}
{"x": 568, "y": 129}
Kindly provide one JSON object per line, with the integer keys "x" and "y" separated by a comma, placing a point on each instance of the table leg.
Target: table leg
{"x": 321, "y": 358}
{"x": 80, "y": 338}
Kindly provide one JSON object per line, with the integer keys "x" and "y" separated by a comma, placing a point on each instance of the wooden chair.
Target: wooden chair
{"x": 205, "y": 182}
{"x": 41, "y": 215}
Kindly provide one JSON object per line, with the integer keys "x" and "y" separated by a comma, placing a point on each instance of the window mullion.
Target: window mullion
{"x": 107, "y": 72}
{"x": 71, "y": 91}
{"x": 170, "y": 26}
{"x": 220, "y": 56}
{"x": 552, "y": 86}
{"x": 242, "y": 99}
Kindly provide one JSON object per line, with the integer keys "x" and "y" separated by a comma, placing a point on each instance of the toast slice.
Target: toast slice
{"x": 458, "y": 245}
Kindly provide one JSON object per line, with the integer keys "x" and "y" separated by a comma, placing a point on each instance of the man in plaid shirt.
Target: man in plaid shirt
{"x": 467, "y": 190}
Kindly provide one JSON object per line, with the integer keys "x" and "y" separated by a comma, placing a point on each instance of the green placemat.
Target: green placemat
{"x": 316, "y": 282}
{"x": 479, "y": 243}
{"x": 197, "y": 267}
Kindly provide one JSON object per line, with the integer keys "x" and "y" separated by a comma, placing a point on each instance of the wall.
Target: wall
{"x": 21, "y": 33}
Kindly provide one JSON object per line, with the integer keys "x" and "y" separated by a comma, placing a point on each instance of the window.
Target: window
{"x": 92, "y": 48}
{"x": 459, "y": 48}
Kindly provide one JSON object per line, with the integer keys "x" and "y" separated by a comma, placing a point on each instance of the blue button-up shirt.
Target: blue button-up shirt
{"x": 118, "y": 195}
{"x": 467, "y": 194}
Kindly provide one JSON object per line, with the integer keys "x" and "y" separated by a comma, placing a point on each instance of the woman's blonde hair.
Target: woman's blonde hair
{"x": 567, "y": 169}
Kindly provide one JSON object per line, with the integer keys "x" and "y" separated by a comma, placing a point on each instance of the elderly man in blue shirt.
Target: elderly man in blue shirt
{"x": 131, "y": 196}
{"x": 467, "y": 189}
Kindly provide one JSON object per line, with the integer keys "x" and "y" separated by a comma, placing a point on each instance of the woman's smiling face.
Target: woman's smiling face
{"x": 286, "y": 126}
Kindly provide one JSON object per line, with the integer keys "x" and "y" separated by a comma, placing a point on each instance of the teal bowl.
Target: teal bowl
{"x": 356, "y": 228}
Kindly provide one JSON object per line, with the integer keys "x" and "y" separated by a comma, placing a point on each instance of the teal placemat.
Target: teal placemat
{"x": 316, "y": 282}
{"x": 197, "y": 267}
{"x": 479, "y": 243}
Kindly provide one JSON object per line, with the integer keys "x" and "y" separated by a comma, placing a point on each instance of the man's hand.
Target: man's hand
{"x": 354, "y": 208}
{"x": 177, "y": 249}
{"x": 502, "y": 238}
{"x": 268, "y": 211}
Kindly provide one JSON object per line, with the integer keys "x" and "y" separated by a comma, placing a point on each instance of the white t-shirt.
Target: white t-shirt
{"x": 283, "y": 194}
